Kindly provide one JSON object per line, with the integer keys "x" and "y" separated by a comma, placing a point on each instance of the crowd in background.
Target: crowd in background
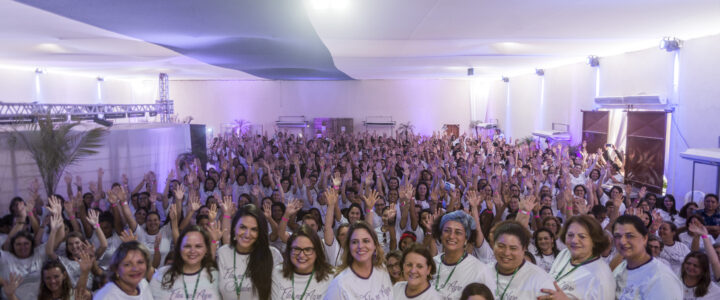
{"x": 365, "y": 216}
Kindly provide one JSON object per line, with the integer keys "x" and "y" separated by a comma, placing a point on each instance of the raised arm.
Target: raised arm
{"x": 290, "y": 213}
{"x": 93, "y": 218}
{"x": 475, "y": 201}
{"x": 125, "y": 208}
{"x": 331, "y": 197}
{"x": 56, "y": 225}
{"x": 10, "y": 285}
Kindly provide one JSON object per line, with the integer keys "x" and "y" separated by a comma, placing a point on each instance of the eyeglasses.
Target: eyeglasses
{"x": 307, "y": 251}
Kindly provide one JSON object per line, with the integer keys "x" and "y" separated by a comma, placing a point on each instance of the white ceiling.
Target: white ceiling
{"x": 385, "y": 39}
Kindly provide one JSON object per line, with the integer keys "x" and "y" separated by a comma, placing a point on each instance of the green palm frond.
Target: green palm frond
{"x": 56, "y": 146}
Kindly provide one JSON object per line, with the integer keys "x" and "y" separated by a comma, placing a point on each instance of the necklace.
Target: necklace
{"x": 237, "y": 287}
{"x": 197, "y": 280}
{"x": 497, "y": 282}
{"x": 437, "y": 283}
{"x": 292, "y": 278}
{"x": 561, "y": 275}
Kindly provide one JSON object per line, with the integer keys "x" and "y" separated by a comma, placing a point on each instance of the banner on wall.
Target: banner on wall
{"x": 595, "y": 129}
{"x": 645, "y": 163}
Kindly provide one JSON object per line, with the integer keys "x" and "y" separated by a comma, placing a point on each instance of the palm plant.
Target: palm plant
{"x": 406, "y": 129}
{"x": 56, "y": 146}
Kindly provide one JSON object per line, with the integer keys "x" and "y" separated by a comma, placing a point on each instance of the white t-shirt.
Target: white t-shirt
{"x": 112, "y": 292}
{"x": 113, "y": 243}
{"x": 428, "y": 294}
{"x": 652, "y": 280}
{"x": 450, "y": 280}
{"x": 197, "y": 285}
{"x": 526, "y": 284}
{"x": 333, "y": 253}
{"x": 349, "y": 286}
{"x": 149, "y": 240}
{"x": 73, "y": 269}
{"x": 285, "y": 288}
{"x": 687, "y": 239}
{"x": 593, "y": 280}
{"x": 230, "y": 274}
{"x": 675, "y": 255}
{"x": 543, "y": 261}
{"x": 28, "y": 268}
{"x": 713, "y": 292}
{"x": 485, "y": 253}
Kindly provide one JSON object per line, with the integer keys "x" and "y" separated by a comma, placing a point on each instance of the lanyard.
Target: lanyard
{"x": 237, "y": 287}
{"x": 196, "y": 285}
{"x": 292, "y": 277}
{"x": 437, "y": 283}
{"x": 561, "y": 275}
{"x": 497, "y": 282}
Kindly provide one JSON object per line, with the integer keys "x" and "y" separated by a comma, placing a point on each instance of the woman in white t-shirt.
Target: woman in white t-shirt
{"x": 305, "y": 272}
{"x": 418, "y": 268}
{"x": 515, "y": 279}
{"x": 578, "y": 270}
{"x": 697, "y": 278}
{"x": 673, "y": 251}
{"x": 640, "y": 276}
{"x": 362, "y": 274}
{"x": 193, "y": 273}
{"x": 455, "y": 268}
{"x": 152, "y": 231}
{"x": 246, "y": 264}
{"x": 545, "y": 250}
{"x": 129, "y": 269}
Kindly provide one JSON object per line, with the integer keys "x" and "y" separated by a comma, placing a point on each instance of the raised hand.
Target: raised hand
{"x": 215, "y": 231}
{"x": 68, "y": 178}
{"x": 56, "y": 222}
{"x": 125, "y": 179}
{"x": 370, "y": 199}
{"x": 179, "y": 192}
{"x": 194, "y": 202}
{"x": 127, "y": 236}
{"x": 697, "y": 228}
{"x": 93, "y": 218}
{"x": 331, "y": 195}
{"x": 642, "y": 192}
{"x": 267, "y": 210}
{"x": 12, "y": 283}
{"x": 86, "y": 260}
{"x": 212, "y": 214}
{"x": 473, "y": 198}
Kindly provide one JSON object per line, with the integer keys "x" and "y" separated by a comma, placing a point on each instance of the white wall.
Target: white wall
{"x": 428, "y": 104}
{"x": 570, "y": 89}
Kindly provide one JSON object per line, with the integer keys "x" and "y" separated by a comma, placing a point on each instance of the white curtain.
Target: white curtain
{"x": 132, "y": 149}
{"x": 617, "y": 133}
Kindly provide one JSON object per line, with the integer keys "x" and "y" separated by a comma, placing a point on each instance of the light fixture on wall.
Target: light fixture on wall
{"x": 540, "y": 72}
{"x": 471, "y": 72}
{"x": 39, "y": 71}
{"x": 670, "y": 44}
{"x": 100, "y": 79}
{"x": 505, "y": 79}
{"x": 593, "y": 61}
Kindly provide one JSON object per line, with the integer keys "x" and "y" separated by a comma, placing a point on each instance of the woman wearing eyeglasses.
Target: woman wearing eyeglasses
{"x": 305, "y": 273}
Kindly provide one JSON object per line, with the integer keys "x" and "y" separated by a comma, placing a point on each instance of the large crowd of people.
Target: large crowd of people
{"x": 365, "y": 216}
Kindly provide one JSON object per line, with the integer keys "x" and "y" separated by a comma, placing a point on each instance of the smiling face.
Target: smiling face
{"x": 453, "y": 236}
{"x": 362, "y": 246}
{"x": 692, "y": 267}
{"x": 74, "y": 245}
{"x": 394, "y": 268}
{"x": 53, "y": 279}
{"x": 509, "y": 252}
{"x": 302, "y": 255}
{"x": 416, "y": 269}
{"x": 665, "y": 232}
{"x": 246, "y": 232}
{"x": 655, "y": 247}
{"x": 545, "y": 242}
{"x": 628, "y": 241}
{"x": 131, "y": 269}
{"x": 353, "y": 215}
{"x": 193, "y": 248}
{"x": 579, "y": 242}
{"x": 23, "y": 247}
{"x": 152, "y": 223}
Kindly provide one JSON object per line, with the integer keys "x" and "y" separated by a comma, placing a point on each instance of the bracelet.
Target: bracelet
{"x": 227, "y": 217}
{"x": 124, "y": 203}
{"x": 97, "y": 226}
{"x": 368, "y": 210}
{"x": 569, "y": 207}
{"x": 704, "y": 236}
{"x": 336, "y": 187}
{"x": 284, "y": 219}
{"x": 525, "y": 212}
{"x": 214, "y": 241}
{"x": 72, "y": 218}
{"x": 113, "y": 205}
{"x": 211, "y": 223}
{"x": 30, "y": 213}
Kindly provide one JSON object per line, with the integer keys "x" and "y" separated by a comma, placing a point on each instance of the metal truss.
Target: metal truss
{"x": 20, "y": 111}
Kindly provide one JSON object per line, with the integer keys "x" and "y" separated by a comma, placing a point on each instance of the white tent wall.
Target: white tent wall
{"x": 427, "y": 104}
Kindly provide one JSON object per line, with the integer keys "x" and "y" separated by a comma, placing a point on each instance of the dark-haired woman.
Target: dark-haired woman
{"x": 305, "y": 273}
{"x": 640, "y": 276}
{"x": 129, "y": 269}
{"x": 246, "y": 264}
{"x": 56, "y": 282}
{"x": 578, "y": 270}
{"x": 515, "y": 279}
{"x": 668, "y": 210}
{"x": 673, "y": 251}
{"x": 362, "y": 274}
{"x": 545, "y": 250}
{"x": 696, "y": 277}
{"x": 691, "y": 239}
{"x": 418, "y": 268}
{"x": 194, "y": 274}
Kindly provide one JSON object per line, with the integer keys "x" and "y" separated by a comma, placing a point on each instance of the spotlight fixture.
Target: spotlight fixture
{"x": 471, "y": 72}
{"x": 39, "y": 71}
{"x": 593, "y": 61}
{"x": 102, "y": 122}
{"x": 670, "y": 44}
{"x": 100, "y": 79}
{"x": 539, "y": 72}
{"x": 505, "y": 79}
